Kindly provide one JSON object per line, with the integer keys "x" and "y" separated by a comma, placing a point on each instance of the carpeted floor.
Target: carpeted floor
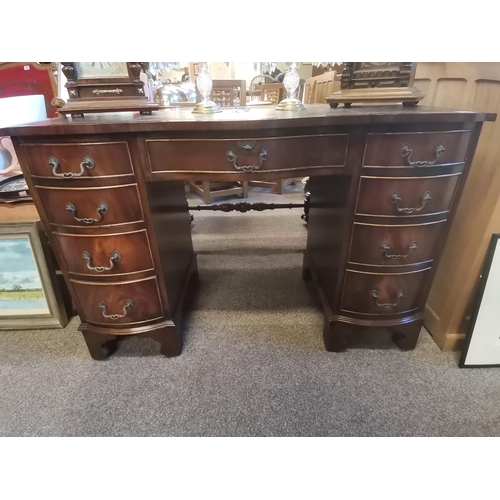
{"x": 253, "y": 364}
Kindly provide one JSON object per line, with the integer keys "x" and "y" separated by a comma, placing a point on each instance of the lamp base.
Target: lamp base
{"x": 79, "y": 107}
{"x": 207, "y": 107}
{"x": 290, "y": 105}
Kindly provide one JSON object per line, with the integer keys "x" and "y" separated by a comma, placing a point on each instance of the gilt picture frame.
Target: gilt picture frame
{"x": 482, "y": 341}
{"x": 30, "y": 294}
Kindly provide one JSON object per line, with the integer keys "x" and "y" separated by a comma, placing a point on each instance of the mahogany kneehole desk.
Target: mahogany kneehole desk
{"x": 385, "y": 182}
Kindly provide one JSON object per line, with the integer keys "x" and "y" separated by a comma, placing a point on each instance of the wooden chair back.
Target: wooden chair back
{"x": 300, "y": 92}
{"x": 310, "y": 90}
{"x": 318, "y": 88}
{"x": 326, "y": 85}
{"x": 275, "y": 92}
{"x": 272, "y": 92}
{"x": 256, "y": 83}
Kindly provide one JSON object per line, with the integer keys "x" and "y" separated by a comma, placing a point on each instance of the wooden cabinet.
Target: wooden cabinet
{"x": 101, "y": 227}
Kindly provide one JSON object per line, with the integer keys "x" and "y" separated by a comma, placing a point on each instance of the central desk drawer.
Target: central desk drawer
{"x": 246, "y": 155}
{"x": 106, "y": 254}
{"x": 119, "y": 303}
{"x": 406, "y": 196}
{"x": 91, "y": 207}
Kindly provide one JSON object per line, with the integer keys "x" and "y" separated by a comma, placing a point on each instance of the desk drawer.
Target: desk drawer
{"x": 119, "y": 303}
{"x": 406, "y": 196}
{"x": 416, "y": 150}
{"x": 72, "y": 161}
{"x": 104, "y": 255}
{"x": 91, "y": 207}
{"x": 246, "y": 155}
{"x": 379, "y": 245}
{"x": 383, "y": 294}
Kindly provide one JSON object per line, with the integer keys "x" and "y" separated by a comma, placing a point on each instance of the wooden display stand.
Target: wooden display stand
{"x": 408, "y": 96}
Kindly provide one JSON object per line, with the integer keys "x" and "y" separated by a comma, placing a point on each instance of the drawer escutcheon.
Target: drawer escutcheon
{"x": 374, "y": 294}
{"x": 232, "y": 158}
{"x": 115, "y": 257}
{"x": 87, "y": 163}
{"x": 407, "y": 151}
{"x": 129, "y": 304}
{"x": 395, "y": 199}
{"x": 384, "y": 247}
{"x": 102, "y": 209}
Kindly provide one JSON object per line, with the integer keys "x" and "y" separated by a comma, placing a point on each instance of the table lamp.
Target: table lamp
{"x": 204, "y": 84}
{"x": 291, "y": 83}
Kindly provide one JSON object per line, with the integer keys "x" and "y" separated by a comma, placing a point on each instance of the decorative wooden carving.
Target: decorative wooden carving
{"x": 244, "y": 206}
{"x": 377, "y": 82}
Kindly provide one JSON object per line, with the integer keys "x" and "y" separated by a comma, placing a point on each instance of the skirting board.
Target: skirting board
{"x": 445, "y": 341}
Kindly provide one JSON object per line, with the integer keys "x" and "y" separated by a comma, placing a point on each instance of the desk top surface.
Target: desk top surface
{"x": 256, "y": 118}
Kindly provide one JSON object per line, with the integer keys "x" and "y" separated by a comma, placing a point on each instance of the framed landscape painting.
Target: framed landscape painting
{"x": 30, "y": 296}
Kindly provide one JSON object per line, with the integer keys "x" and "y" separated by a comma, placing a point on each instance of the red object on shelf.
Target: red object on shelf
{"x": 29, "y": 78}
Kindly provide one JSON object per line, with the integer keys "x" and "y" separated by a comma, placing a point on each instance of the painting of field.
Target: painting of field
{"x": 21, "y": 291}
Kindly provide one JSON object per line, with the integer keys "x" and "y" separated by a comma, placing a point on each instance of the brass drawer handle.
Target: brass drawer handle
{"x": 406, "y": 152}
{"x": 374, "y": 294}
{"x": 115, "y": 257}
{"x": 385, "y": 248}
{"x": 128, "y": 305}
{"x": 395, "y": 199}
{"x": 87, "y": 163}
{"x": 107, "y": 91}
{"x": 232, "y": 158}
{"x": 102, "y": 209}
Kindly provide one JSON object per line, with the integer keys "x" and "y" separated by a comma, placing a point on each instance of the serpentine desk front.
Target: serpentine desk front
{"x": 385, "y": 182}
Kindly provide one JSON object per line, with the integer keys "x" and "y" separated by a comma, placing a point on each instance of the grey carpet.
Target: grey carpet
{"x": 253, "y": 364}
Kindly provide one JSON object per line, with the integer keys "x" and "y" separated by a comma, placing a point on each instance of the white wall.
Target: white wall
{"x": 219, "y": 70}
{"x": 244, "y": 71}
